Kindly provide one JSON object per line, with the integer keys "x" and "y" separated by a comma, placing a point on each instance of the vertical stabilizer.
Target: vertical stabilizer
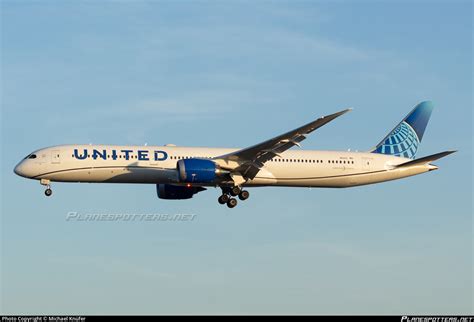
{"x": 404, "y": 140}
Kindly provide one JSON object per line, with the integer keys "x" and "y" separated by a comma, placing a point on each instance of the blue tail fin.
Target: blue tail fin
{"x": 404, "y": 140}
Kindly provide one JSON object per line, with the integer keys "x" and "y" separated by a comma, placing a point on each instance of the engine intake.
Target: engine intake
{"x": 197, "y": 171}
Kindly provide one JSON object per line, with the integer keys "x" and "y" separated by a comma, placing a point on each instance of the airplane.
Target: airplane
{"x": 181, "y": 172}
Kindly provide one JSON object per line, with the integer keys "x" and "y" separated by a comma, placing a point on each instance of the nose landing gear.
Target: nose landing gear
{"x": 45, "y": 182}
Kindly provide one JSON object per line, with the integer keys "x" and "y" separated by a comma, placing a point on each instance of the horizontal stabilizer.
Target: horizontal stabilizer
{"x": 425, "y": 160}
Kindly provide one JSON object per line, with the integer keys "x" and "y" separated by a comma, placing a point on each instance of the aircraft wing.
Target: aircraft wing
{"x": 248, "y": 161}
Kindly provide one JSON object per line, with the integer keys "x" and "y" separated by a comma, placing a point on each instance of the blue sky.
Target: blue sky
{"x": 232, "y": 74}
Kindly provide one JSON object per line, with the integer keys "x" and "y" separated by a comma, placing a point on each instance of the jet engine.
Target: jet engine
{"x": 198, "y": 171}
{"x": 169, "y": 191}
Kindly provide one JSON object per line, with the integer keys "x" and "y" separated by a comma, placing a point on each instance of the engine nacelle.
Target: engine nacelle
{"x": 197, "y": 171}
{"x": 169, "y": 191}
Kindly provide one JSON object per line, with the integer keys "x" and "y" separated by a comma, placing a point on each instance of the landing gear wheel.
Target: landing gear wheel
{"x": 48, "y": 192}
{"x": 232, "y": 203}
{"x": 244, "y": 195}
{"x": 234, "y": 191}
{"x": 223, "y": 199}
{"x": 46, "y": 182}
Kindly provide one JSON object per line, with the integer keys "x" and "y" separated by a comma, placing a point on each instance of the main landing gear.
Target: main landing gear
{"x": 48, "y": 192}
{"x": 229, "y": 193}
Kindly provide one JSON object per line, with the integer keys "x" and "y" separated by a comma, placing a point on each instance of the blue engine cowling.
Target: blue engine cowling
{"x": 169, "y": 191}
{"x": 197, "y": 171}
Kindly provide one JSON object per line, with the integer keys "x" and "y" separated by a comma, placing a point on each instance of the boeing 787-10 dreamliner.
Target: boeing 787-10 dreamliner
{"x": 182, "y": 172}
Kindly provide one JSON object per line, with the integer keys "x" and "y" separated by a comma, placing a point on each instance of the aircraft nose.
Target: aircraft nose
{"x": 20, "y": 170}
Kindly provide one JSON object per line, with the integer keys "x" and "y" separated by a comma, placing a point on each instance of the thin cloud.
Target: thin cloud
{"x": 248, "y": 42}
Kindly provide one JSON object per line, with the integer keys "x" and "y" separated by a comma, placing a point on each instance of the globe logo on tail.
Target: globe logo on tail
{"x": 402, "y": 142}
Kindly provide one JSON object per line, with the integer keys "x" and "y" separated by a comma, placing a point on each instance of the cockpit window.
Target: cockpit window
{"x": 32, "y": 156}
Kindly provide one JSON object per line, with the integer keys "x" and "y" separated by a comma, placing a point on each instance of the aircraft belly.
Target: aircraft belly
{"x": 116, "y": 175}
{"x": 341, "y": 179}
{"x": 385, "y": 175}
{"x": 263, "y": 178}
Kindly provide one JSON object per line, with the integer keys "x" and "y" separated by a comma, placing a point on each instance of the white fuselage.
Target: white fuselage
{"x": 157, "y": 165}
